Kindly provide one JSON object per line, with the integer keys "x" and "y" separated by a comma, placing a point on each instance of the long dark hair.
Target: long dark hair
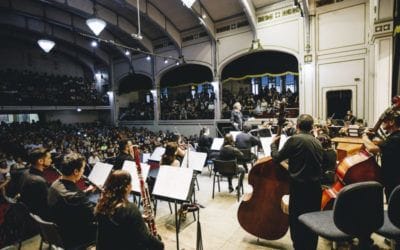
{"x": 169, "y": 156}
{"x": 114, "y": 193}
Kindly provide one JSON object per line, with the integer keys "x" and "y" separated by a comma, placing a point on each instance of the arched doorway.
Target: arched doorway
{"x": 187, "y": 93}
{"x": 259, "y": 81}
{"x": 135, "y": 99}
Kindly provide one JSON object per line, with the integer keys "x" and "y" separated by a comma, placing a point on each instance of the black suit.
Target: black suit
{"x": 246, "y": 141}
{"x": 237, "y": 119}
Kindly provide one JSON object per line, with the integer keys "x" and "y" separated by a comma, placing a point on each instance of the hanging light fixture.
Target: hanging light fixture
{"x": 95, "y": 24}
{"x": 138, "y": 35}
{"x": 188, "y": 3}
{"x": 46, "y": 44}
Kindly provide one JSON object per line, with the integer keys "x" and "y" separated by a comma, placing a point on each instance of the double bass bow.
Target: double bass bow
{"x": 148, "y": 214}
{"x": 260, "y": 212}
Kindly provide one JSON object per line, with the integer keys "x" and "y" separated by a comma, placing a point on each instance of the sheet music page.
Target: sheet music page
{"x": 158, "y": 152}
{"x": 100, "y": 173}
{"x": 234, "y": 134}
{"x": 130, "y": 166}
{"x": 196, "y": 160}
{"x": 146, "y": 157}
{"x": 282, "y": 141}
{"x": 217, "y": 144}
{"x": 173, "y": 182}
{"x": 266, "y": 145}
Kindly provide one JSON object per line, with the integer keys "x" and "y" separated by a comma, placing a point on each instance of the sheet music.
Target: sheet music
{"x": 158, "y": 152}
{"x": 146, "y": 157}
{"x": 217, "y": 144}
{"x": 173, "y": 183}
{"x": 266, "y": 143}
{"x": 196, "y": 160}
{"x": 100, "y": 173}
{"x": 130, "y": 166}
{"x": 234, "y": 134}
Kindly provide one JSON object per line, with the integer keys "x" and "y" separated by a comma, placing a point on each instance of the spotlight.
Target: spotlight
{"x": 165, "y": 60}
{"x": 94, "y": 44}
{"x": 78, "y": 109}
{"x": 137, "y": 36}
{"x": 148, "y": 58}
{"x": 204, "y": 16}
{"x": 177, "y": 63}
{"x": 127, "y": 53}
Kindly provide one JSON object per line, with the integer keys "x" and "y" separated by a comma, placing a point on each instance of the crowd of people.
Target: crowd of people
{"x": 32, "y": 88}
{"x": 263, "y": 105}
{"x": 188, "y": 106}
{"x": 137, "y": 111}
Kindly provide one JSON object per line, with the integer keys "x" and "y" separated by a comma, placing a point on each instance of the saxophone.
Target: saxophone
{"x": 148, "y": 214}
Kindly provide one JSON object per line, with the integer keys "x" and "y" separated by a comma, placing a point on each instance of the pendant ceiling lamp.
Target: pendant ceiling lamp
{"x": 46, "y": 44}
{"x": 188, "y": 3}
{"x": 95, "y": 24}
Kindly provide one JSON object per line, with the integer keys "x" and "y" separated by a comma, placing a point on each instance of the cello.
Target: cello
{"x": 358, "y": 167}
{"x": 260, "y": 212}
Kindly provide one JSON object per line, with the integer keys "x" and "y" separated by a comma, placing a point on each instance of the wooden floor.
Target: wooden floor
{"x": 219, "y": 225}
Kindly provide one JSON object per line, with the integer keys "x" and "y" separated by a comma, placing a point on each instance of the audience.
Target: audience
{"x": 137, "y": 111}
{"x": 41, "y": 89}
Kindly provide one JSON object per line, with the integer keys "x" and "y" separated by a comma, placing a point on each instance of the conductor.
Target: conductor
{"x": 237, "y": 116}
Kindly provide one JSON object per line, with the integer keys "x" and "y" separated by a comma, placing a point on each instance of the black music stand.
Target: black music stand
{"x": 174, "y": 185}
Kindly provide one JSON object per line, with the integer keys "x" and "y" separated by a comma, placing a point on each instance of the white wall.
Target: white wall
{"x": 72, "y": 116}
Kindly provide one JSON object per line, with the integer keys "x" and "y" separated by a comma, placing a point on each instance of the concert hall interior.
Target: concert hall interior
{"x": 200, "y": 124}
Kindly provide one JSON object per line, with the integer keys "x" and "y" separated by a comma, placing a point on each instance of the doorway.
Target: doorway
{"x": 338, "y": 102}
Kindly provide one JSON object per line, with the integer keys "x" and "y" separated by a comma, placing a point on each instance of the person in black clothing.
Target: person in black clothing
{"x": 229, "y": 152}
{"x": 349, "y": 117}
{"x": 389, "y": 149}
{"x": 69, "y": 206}
{"x": 304, "y": 152}
{"x": 329, "y": 158}
{"x": 237, "y": 116}
{"x": 120, "y": 224}
{"x": 125, "y": 148}
{"x": 34, "y": 188}
{"x": 205, "y": 141}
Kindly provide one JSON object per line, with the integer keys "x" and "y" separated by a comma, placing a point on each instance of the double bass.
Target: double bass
{"x": 260, "y": 213}
{"x": 358, "y": 167}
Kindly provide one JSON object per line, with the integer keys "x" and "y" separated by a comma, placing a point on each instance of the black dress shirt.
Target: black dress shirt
{"x": 119, "y": 162}
{"x": 304, "y": 152}
{"x": 246, "y": 141}
{"x": 33, "y": 192}
{"x": 72, "y": 211}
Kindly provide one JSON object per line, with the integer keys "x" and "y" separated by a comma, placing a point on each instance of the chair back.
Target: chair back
{"x": 226, "y": 168}
{"x": 48, "y": 231}
{"x": 358, "y": 209}
{"x": 394, "y": 207}
{"x": 246, "y": 155}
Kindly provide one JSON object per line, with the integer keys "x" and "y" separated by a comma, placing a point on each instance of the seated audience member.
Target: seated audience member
{"x": 329, "y": 158}
{"x": 93, "y": 158}
{"x": 120, "y": 223}
{"x": 34, "y": 187}
{"x": 124, "y": 154}
{"x": 169, "y": 157}
{"x": 229, "y": 152}
{"x": 69, "y": 207}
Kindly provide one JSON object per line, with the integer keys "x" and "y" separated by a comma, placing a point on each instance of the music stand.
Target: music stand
{"x": 100, "y": 173}
{"x": 174, "y": 185}
{"x": 130, "y": 167}
{"x": 217, "y": 144}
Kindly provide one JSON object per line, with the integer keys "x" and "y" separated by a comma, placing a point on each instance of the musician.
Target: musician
{"x": 34, "y": 187}
{"x": 349, "y": 117}
{"x": 329, "y": 157}
{"x": 120, "y": 224}
{"x": 169, "y": 156}
{"x": 245, "y": 140}
{"x": 229, "y": 152}
{"x": 304, "y": 152}
{"x": 181, "y": 147}
{"x": 237, "y": 116}
{"x": 70, "y": 207}
{"x": 205, "y": 141}
{"x": 125, "y": 147}
{"x": 389, "y": 149}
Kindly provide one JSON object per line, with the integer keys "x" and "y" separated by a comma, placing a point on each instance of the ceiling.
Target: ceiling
{"x": 161, "y": 20}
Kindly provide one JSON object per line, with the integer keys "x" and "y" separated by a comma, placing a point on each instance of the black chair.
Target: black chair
{"x": 226, "y": 169}
{"x": 391, "y": 225}
{"x": 357, "y": 213}
{"x": 50, "y": 234}
{"x": 248, "y": 158}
